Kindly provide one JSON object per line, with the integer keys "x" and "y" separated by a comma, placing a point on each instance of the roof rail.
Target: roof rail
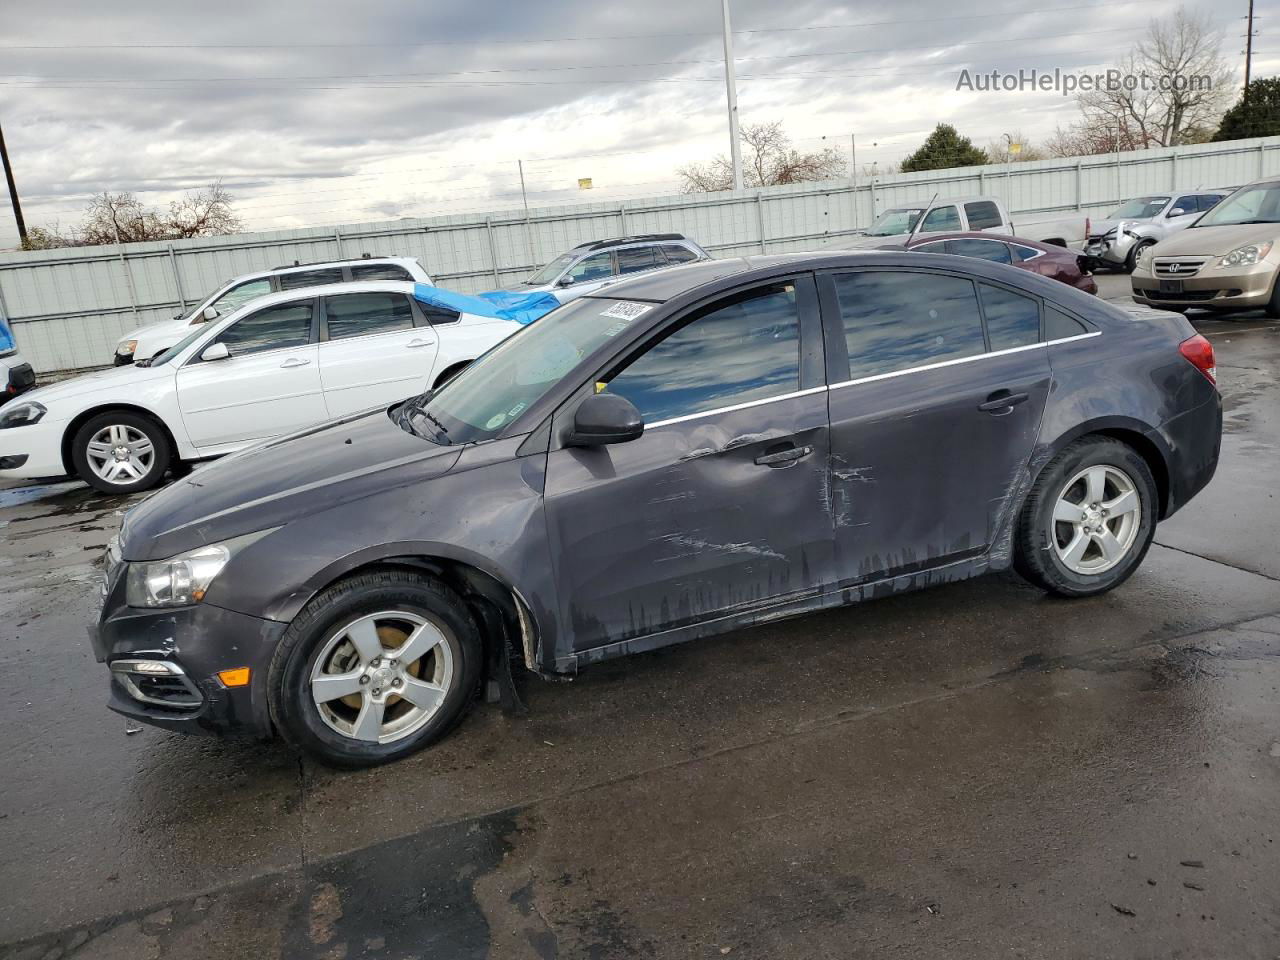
{"x": 318, "y": 263}
{"x": 618, "y": 241}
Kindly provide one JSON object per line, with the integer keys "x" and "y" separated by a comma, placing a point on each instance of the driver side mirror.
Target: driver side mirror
{"x": 605, "y": 418}
{"x": 209, "y": 313}
{"x": 216, "y": 351}
{"x": 565, "y": 281}
{"x": 1177, "y": 212}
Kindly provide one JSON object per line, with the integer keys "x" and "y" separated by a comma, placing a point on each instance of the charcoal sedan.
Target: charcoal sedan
{"x": 706, "y": 447}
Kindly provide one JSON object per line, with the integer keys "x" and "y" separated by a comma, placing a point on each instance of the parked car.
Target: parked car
{"x": 153, "y": 340}
{"x": 678, "y": 455}
{"x": 1142, "y": 222}
{"x": 278, "y": 364}
{"x": 16, "y": 375}
{"x": 1227, "y": 260}
{"x": 589, "y": 266}
{"x": 962, "y": 215}
{"x": 1056, "y": 263}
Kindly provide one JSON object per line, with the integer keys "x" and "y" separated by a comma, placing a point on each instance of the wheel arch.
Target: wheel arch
{"x": 1145, "y": 442}
{"x": 84, "y": 416}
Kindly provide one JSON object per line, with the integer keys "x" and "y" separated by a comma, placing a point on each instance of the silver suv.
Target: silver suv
{"x": 590, "y": 266}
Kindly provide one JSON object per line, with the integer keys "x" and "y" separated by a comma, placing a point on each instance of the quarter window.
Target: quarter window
{"x": 895, "y": 320}
{"x": 1012, "y": 319}
{"x": 983, "y": 214}
{"x": 379, "y": 271}
{"x": 272, "y": 328}
{"x": 942, "y": 220}
{"x": 1023, "y": 254}
{"x": 992, "y": 250}
{"x": 738, "y": 351}
{"x": 678, "y": 254}
{"x": 362, "y": 314}
{"x": 310, "y": 278}
{"x": 238, "y": 296}
{"x": 1059, "y": 326}
{"x": 635, "y": 259}
{"x": 598, "y": 266}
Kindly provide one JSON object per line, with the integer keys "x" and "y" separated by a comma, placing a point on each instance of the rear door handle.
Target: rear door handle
{"x": 1002, "y": 400}
{"x": 782, "y": 457}
{"x": 294, "y": 362}
{"x": 419, "y": 343}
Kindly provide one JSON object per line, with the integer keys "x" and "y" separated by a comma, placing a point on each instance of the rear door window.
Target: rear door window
{"x": 364, "y": 314}
{"x": 636, "y": 259}
{"x": 983, "y": 214}
{"x": 379, "y": 271}
{"x": 678, "y": 254}
{"x": 1013, "y": 320}
{"x": 310, "y": 278}
{"x": 896, "y": 320}
{"x": 736, "y": 351}
{"x": 992, "y": 250}
{"x": 942, "y": 220}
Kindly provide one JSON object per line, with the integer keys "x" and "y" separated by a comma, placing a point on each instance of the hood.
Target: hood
{"x": 102, "y": 381}
{"x": 1216, "y": 241}
{"x": 164, "y": 326}
{"x": 268, "y": 485}
{"x": 1099, "y": 227}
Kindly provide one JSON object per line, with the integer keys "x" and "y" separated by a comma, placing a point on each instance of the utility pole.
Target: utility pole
{"x": 731, "y": 86}
{"x": 1248, "y": 50}
{"x": 13, "y": 190}
{"x": 853, "y": 165}
{"x": 528, "y": 226}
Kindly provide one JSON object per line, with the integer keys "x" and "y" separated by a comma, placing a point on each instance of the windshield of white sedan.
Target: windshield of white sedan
{"x": 1139, "y": 208}
{"x": 491, "y": 393}
{"x": 1260, "y": 204}
{"x": 550, "y": 271}
{"x": 891, "y": 222}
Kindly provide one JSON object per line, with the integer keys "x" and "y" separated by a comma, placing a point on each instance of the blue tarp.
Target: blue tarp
{"x": 6, "y": 338}
{"x": 520, "y": 307}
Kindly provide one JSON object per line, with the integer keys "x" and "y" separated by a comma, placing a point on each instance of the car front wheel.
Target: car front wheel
{"x": 1089, "y": 519}
{"x": 374, "y": 669}
{"x": 120, "y": 452}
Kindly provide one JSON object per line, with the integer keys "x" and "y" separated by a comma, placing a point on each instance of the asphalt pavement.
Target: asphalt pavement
{"x": 978, "y": 770}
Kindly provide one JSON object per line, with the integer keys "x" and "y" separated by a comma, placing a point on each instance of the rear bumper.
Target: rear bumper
{"x": 1194, "y": 442}
{"x": 200, "y": 640}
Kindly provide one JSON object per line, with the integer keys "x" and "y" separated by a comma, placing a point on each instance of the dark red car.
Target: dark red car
{"x": 1056, "y": 263}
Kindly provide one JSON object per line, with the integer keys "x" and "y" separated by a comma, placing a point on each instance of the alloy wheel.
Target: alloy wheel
{"x": 1096, "y": 518}
{"x": 120, "y": 454}
{"x": 382, "y": 676}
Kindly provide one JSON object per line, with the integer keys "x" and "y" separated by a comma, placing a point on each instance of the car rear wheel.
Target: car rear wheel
{"x": 374, "y": 669}
{"x": 1089, "y": 519}
{"x": 120, "y": 452}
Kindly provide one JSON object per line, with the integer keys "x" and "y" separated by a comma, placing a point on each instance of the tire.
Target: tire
{"x": 384, "y": 608}
{"x": 1131, "y": 261}
{"x": 121, "y": 452}
{"x": 1043, "y": 548}
{"x": 1273, "y": 305}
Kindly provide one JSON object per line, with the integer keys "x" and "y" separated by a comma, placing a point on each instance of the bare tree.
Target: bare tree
{"x": 1001, "y": 151}
{"x": 1174, "y": 87}
{"x": 768, "y": 159}
{"x": 122, "y": 218}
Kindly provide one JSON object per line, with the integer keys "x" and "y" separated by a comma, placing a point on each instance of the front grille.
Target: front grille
{"x": 1186, "y": 295}
{"x": 1180, "y": 267}
{"x": 157, "y": 683}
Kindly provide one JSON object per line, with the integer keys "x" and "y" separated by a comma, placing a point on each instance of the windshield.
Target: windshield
{"x": 1139, "y": 208}
{"x": 177, "y": 348}
{"x": 898, "y": 220}
{"x": 550, "y": 271}
{"x": 1259, "y": 204}
{"x": 488, "y": 395}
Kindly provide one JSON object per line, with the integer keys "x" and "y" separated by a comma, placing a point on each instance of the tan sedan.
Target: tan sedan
{"x": 1226, "y": 260}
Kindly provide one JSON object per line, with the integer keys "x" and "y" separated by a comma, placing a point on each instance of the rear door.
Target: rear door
{"x": 933, "y": 414}
{"x": 268, "y": 386}
{"x": 371, "y": 352}
{"x": 721, "y": 505}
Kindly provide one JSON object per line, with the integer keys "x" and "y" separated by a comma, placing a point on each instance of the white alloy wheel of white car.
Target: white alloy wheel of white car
{"x": 278, "y": 364}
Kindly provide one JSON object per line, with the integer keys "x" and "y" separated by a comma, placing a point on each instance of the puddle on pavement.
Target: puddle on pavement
{"x": 17, "y": 496}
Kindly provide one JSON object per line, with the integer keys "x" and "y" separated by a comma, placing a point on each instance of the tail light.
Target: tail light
{"x": 1199, "y": 353}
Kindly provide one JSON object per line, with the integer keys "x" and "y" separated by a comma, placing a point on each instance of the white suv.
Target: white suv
{"x": 151, "y": 341}
{"x": 589, "y": 266}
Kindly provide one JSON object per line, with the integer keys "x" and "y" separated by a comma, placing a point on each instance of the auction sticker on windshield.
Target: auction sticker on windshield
{"x": 627, "y": 310}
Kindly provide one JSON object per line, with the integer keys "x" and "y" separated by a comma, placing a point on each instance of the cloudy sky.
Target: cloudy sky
{"x": 314, "y": 112}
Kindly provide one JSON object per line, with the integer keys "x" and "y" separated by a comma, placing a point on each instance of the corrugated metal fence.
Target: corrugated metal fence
{"x": 68, "y": 308}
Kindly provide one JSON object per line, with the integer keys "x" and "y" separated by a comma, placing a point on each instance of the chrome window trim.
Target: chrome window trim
{"x": 735, "y": 407}
{"x": 951, "y": 363}
{"x": 1035, "y": 254}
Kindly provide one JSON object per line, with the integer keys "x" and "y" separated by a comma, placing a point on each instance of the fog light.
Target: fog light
{"x": 235, "y": 677}
{"x": 154, "y": 667}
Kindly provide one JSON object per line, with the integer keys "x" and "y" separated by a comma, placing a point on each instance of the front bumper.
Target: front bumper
{"x": 1109, "y": 251}
{"x": 1232, "y": 288}
{"x": 33, "y": 452}
{"x": 199, "y": 641}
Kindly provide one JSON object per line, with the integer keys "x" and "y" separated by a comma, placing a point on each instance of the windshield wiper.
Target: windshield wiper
{"x": 417, "y": 408}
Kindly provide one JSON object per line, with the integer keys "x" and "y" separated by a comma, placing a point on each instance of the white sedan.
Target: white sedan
{"x": 278, "y": 364}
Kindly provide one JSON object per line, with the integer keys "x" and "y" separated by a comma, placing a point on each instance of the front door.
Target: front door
{"x": 370, "y": 351}
{"x": 269, "y": 385}
{"x": 722, "y": 504}
{"x": 933, "y": 414}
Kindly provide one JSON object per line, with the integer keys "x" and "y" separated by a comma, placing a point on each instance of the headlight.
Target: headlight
{"x": 1126, "y": 225}
{"x": 1246, "y": 256}
{"x": 184, "y": 579}
{"x": 22, "y": 415}
{"x": 127, "y": 347}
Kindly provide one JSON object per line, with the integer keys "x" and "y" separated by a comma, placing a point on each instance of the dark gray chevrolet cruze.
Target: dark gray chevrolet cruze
{"x": 682, "y": 454}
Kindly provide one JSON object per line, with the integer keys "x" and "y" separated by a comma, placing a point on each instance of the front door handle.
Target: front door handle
{"x": 1002, "y": 400}
{"x": 294, "y": 362}
{"x": 419, "y": 343}
{"x": 782, "y": 457}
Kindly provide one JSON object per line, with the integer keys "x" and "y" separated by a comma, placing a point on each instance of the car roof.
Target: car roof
{"x": 345, "y": 261}
{"x": 980, "y": 235}
{"x": 331, "y": 289}
{"x": 621, "y": 241}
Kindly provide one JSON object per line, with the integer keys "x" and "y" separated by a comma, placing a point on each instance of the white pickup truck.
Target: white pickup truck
{"x": 963, "y": 215}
